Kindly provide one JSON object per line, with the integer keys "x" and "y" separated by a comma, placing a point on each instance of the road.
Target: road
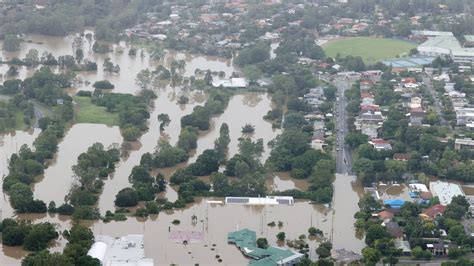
{"x": 437, "y": 104}
{"x": 345, "y": 198}
{"x": 343, "y": 157}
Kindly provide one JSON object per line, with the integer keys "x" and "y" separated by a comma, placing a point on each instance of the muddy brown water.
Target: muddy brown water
{"x": 221, "y": 219}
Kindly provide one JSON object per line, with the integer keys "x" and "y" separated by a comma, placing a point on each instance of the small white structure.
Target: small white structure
{"x": 445, "y": 191}
{"x": 234, "y": 83}
{"x": 268, "y": 200}
{"x": 126, "y": 250}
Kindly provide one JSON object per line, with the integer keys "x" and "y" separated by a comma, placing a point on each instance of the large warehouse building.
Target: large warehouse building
{"x": 447, "y": 45}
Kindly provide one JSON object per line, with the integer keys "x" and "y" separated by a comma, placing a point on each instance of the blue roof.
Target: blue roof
{"x": 394, "y": 202}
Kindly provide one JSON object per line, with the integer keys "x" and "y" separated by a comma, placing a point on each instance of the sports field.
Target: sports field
{"x": 370, "y": 49}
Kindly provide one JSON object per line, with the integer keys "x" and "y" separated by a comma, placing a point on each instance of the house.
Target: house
{"x": 404, "y": 246}
{"x": 394, "y": 230}
{"x": 439, "y": 249}
{"x": 416, "y": 116}
{"x": 401, "y": 157}
{"x": 385, "y": 215}
{"x": 433, "y": 212}
{"x": 380, "y": 144}
{"x": 466, "y": 143}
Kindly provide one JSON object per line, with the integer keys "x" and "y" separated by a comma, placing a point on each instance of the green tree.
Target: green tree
{"x": 11, "y": 43}
{"x": 79, "y": 55}
{"x": 126, "y": 197}
{"x": 281, "y": 236}
{"x": 262, "y": 243}
{"x": 164, "y": 120}
{"x": 252, "y": 73}
{"x": 32, "y": 57}
{"x": 371, "y": 256}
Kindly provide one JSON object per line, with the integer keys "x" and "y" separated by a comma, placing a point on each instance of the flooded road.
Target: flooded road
{"x": 346, "y": 196}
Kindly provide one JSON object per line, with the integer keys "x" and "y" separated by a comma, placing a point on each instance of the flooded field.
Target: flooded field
{"x": 214, "y": 220}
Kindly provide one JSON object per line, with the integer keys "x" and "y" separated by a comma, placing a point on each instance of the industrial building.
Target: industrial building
{"x": 445, "y": 191}
{"x": 246, "y": 240}
{"x": 120, "y": 251}
{"x": 449, "y": 46}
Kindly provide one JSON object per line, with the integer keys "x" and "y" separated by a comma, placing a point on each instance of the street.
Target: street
{"x": 345, "y": 198}
{"x": 343, "y": 154}
{"x": 437, "y": 105}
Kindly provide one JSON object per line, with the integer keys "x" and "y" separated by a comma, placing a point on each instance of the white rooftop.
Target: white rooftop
{"x": 445, "y": 191}
{"x": 120, "y": 251}
{"x": 231, "y": 83}
{"x": 268, "y": 200}
{"x": 419, "y": 187}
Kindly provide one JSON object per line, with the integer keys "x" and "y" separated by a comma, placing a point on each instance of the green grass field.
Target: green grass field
{"x": 87, "y": 112}
{"x": 370, "y": 49}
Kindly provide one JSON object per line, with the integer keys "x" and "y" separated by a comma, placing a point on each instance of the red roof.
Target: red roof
{"x": 426, "y": 195}
{"x": 401, "y": 156}
{"x": 366, "y": 94}
{"x": 409, "y": 80}
{"x": 385, "y": 215}
{"x": 366, "y": 82}
{"x": 435, "y": 211}
{"x": 379, "y": 141}
{"x": 369, "y": 107}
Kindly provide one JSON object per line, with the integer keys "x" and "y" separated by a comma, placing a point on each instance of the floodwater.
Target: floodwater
{"x": 129, "y": 65}
{"x": 248, "y": 108}
{"x": 346, "y": 196}
{"x": 59, "y": 175}
{"x": 215, "y": 220}
{"x": 10, "y": 143}
{"x": 281, "y": 181}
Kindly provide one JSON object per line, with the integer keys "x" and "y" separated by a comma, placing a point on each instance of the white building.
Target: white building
{"x": 465, "y": 143}
{"x": 231, "y": 83}
{"x": 268, "y": 200}
{"x": 445, "y": 191}
{"x": 120, "y": 251}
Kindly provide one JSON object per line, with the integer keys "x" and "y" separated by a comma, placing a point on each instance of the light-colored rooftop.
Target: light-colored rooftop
{"x": 115, "y": 251}
{"x": 268, "y": 200}
{"x": 445, "y": 191}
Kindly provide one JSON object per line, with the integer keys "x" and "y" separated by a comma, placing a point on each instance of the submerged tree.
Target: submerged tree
{"x": 164, "y": 120}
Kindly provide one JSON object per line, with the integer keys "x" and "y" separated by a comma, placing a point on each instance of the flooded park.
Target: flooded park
{"x": 214, "y": 220}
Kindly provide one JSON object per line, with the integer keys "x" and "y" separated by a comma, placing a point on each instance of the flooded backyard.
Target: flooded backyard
{"x": 214, "y": 220}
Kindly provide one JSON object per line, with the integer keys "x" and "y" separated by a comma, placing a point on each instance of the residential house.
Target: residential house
{"x": 394, "y": 230}
{"x": 380, "y": 144}
{"x": 417, "y": 115}
{"x": 404, "y": 246}
{"x": 433, "y": 212}
{"x": 385, "y": 216}
{"x": 401, "y": 157}
{"x": 466, "y": 143}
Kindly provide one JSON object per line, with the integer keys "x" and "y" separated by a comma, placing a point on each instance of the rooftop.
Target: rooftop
{"x": 268, "y": 200}
{"x": 246, "y": 239}
{"x": 445, "y": 191}
{"x": 125, "y": 250}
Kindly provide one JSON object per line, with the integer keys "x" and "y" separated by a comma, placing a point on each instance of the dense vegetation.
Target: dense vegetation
{"x": 33, "y": 237}
{"x": 93, "y": 166}
{"x": 132, "y": 110}
{"x": 80, "y": 240}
